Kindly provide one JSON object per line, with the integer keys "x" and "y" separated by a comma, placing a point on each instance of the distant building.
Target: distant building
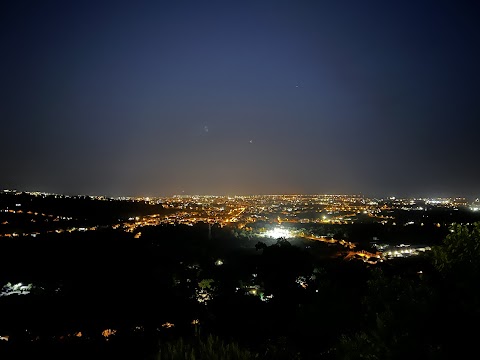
{"x": 475, "y": 206}
{"x": 460, "y": 202}
{"x": 405, "y": 250}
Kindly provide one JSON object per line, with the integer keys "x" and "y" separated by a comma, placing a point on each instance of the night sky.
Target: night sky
{"x": 240, "y": 97}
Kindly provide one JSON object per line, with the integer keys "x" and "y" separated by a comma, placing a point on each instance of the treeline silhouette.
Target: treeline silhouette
{"x": 80, "y": 207}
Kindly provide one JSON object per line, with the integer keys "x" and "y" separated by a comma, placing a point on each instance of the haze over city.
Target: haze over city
{"x": 255, "y": 97}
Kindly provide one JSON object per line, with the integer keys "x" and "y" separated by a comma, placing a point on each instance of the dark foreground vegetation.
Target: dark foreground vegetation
{"x": 181, "y": 292}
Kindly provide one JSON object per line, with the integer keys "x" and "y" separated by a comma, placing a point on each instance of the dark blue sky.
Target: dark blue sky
{"x": 240, "y": 97}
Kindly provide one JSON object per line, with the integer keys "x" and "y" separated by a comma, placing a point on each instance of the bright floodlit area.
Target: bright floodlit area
{"x": 278, "y": 232}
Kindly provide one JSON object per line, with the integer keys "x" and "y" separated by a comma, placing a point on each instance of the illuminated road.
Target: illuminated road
{"x": 344, "y": 243}
{"x": 234, "y": 217}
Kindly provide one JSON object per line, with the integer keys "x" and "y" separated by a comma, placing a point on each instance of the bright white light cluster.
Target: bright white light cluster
{"x": 278, "y": 233}
{"x": 18, "y": 289}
